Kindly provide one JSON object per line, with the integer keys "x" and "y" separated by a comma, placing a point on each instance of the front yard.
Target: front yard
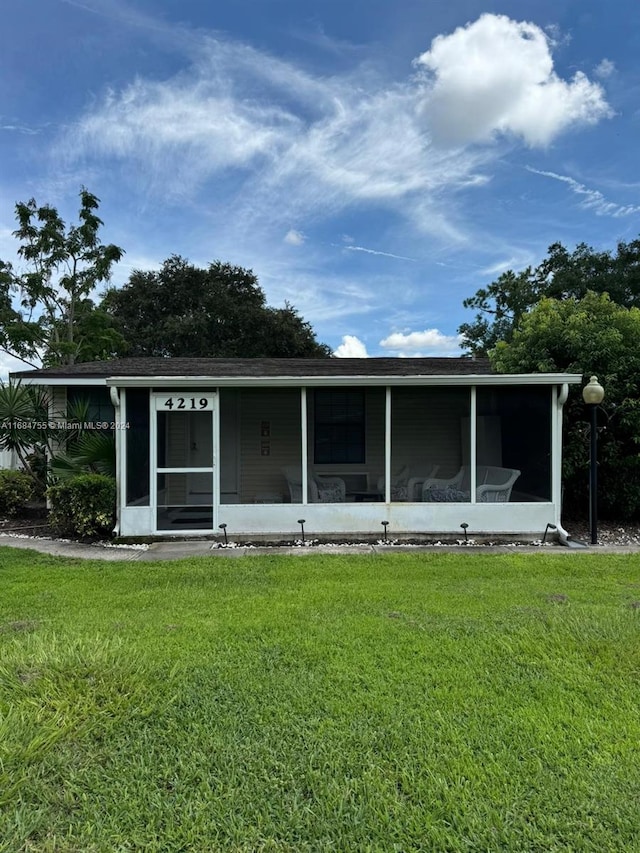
{"x": 413, "y": 702}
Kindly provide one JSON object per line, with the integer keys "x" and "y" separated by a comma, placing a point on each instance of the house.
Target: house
{"x": 425, "y": 444}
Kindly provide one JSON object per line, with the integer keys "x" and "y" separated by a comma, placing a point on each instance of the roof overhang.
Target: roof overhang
{"x": 319, "y": 381}
{"x": 59, "y": 380}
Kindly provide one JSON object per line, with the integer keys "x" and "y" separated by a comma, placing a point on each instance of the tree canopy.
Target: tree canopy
{"x": 578, "y": 312}
{"x": 56, "y": 321}
{"x": 588, "y": 335}
{"x": 561, "y": 275}
{"x": 220, "y": 311}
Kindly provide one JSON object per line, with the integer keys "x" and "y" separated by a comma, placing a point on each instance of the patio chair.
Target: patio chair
{"x": 405, "y": 487}
{"x": 493, "y": 485}
{"x": 321, "y": 489}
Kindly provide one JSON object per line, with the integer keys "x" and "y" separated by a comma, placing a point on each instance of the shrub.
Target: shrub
{"x": 84, "y": 505}
{"x": 16, "y": 488}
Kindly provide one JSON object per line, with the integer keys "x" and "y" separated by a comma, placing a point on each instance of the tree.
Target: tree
{"x": 562, "y": 275}
{"x": 591, "y": 335}
{"x": 185, "y": 311}
{"x": 56, "y": 321}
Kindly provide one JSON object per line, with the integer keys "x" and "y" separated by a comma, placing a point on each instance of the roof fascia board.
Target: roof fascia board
{"x": 308, "y": 381}
{"x": 318, "y": 381}
{"x": 58, "y": 380}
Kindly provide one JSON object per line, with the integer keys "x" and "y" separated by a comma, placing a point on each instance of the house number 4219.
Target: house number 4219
{"x": 190, "y": 404}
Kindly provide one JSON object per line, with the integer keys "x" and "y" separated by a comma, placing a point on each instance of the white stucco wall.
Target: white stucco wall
{"x": 281, "y": 520}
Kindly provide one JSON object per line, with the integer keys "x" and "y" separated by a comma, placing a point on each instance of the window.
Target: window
{"x": 137, "y": 446}
{"x": 339, "y": 427}
{"x": 97, "y": 399}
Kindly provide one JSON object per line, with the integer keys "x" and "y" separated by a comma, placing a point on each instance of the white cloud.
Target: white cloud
{"x": 496, "y": 75}
{"x": 8, "y": 243}
{"x": 519, "y": 259}
{"x": 430, "y": 342}
{"x": 593, "y": 199}
{"x": 10, "y": 364}
{"x": 498, "y": 268}
{"x": 124, "y": 268}
{"x": 290, "y": 146}
{"x": 183, "y": 131}
{"x": 604, "y": 69}
{"x": 324, "y": 297}
{"x": 351, "y": 347}
{"x": 294, "y": 238}
{"x": 375, "y": 252}
{"x": 19, "y": 128}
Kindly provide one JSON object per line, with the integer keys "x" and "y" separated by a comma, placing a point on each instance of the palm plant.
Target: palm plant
{"x": 91, "y": 452}
{"x": 35, "y": 434}
{"x": 24, "y": 424}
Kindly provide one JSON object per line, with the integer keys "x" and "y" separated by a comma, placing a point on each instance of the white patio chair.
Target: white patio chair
{"x": 321, "y": 489}
{"x": 493, "y": 485}
{"x": 454, "y": 488}
{"x": 405, "y": 487}
{"x": 496, "y": 484}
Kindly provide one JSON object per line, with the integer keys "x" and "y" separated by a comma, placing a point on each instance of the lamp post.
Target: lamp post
{"x": 593, "y": 395}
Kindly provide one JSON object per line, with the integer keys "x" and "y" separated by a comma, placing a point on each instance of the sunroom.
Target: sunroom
{"x": 260, "y": 444}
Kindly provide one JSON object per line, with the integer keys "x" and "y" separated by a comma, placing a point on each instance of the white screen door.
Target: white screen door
{"x": 184, "y": 460}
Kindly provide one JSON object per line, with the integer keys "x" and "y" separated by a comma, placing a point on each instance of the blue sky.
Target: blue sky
{"x": 373, "y": 162}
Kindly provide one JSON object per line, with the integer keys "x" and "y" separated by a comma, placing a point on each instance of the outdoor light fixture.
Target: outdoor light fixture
{"x": 464, "y": 527}
{"x": 384, "y": 524}
{"x": 223, "y": 527}
{"x": 301, "y": 522}
{"x": 593, "y": 395}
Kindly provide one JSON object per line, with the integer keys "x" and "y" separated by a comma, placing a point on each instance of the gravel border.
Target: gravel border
{"x": 610, "y": 534}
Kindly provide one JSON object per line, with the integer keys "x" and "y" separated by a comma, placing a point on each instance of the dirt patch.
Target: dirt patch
{"x": 558, "y": 598}
{"x": 609, "y": 532}
{"x": 38, "y": 526}
{"x": 28, "y": 676}
{"x": 31, "y": 522}
{"x": 22, "y": 626}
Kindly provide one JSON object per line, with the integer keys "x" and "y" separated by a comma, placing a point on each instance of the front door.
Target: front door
{"x": 184, "y": 454}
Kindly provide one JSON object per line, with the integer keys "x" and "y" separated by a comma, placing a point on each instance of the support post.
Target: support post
{"x": 593, "y": 477}
{"x": 593, "y": 394}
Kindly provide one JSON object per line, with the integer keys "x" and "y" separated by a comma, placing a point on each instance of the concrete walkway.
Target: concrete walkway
{"x": 206, "y": 548}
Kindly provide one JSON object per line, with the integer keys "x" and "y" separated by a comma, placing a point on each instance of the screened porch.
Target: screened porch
{"x": 334, "y": 447}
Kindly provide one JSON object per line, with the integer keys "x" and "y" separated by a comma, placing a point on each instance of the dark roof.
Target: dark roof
{"x": 267, "y": 367}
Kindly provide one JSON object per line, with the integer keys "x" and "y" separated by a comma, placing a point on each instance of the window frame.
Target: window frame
{"x": 328, "y": 449}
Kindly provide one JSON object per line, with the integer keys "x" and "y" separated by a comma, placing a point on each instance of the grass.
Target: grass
{"x": 400, "y": 702}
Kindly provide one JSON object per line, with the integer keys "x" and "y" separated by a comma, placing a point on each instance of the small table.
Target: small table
{"x": 368, "y": 497}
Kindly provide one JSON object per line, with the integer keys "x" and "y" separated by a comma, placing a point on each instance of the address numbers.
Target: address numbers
{"x": 184, "y": 404}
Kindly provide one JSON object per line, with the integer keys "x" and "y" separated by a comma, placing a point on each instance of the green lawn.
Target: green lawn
{"x": 413, "y": 702}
